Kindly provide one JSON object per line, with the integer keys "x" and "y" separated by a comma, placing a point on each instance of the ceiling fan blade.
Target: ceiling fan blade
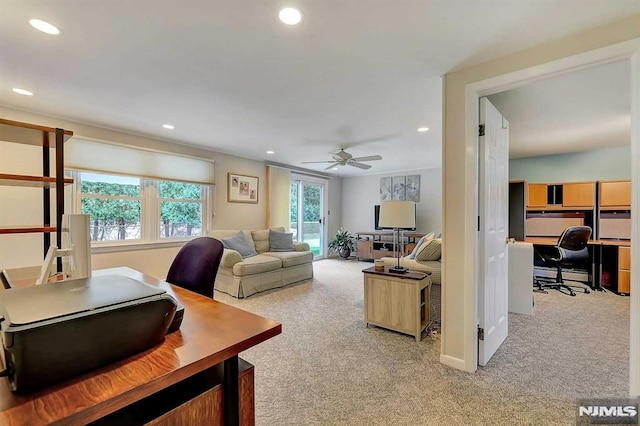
{"x": 368, "y": 158}
{"x": 332, "y": 166}
{"x": 359, "y": 165}
{"x": 312, "y": 162}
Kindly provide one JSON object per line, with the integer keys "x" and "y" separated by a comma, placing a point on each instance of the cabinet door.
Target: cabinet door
{"x": 615, "y": 194}
{"x": 364, "y": 249}
{"x": 624, "y": 258}
{"x": 578, "y": 194}
{"x": 537, "y": 195}
{"x": 624, "y": 282}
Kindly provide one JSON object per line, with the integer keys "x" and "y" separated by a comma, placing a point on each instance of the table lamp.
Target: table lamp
{"x": 397, "y": 215}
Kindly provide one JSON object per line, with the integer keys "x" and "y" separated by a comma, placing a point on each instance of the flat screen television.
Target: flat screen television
{"x": 376, "y": 215}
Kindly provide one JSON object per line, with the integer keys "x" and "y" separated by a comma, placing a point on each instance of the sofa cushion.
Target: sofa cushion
{"x": 280, "y": 241}
{"x": 230, "y": 258}
{"x": 430, "y": 250}
{"x": 256, "y": 265}
{"x": 292, "y": 258}
{"x": 241, "y": 244}
{"x": 261, "y": 238}
{"x": 421, "y": 241}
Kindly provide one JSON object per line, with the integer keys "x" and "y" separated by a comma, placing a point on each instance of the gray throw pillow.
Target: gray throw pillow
{"x": 240, "y": 244}
{"x": 280, "y": 241}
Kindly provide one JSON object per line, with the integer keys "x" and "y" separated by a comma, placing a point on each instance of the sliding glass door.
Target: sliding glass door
{"x": 307, "y": 213}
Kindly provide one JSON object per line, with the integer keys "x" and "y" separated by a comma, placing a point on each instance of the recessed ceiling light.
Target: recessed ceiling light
{"x": 423, "y": 129}
{"x": 335, "y": 168}
{"x": 169, "y": 126}
{"x": 43, "y": 26}
{"x": 290, "y": 16}
{"x": 22, "y": 91}
{"x": 271, "y": 152}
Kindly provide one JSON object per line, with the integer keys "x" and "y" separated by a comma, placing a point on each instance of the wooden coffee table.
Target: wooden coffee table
{"x": 397, "y": 302}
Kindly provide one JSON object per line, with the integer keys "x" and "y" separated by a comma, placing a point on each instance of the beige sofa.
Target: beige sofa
{"x": 241, "y": 278}
{"x": 433, "y": 266}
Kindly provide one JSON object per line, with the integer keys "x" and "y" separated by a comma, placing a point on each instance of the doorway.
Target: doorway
{"x": 307, "y": 218}
{"x": 503, "y": 82}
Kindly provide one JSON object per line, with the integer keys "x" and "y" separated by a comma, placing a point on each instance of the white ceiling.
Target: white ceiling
{"x": 576, "y": 111}
{"x": 231, "y": 77}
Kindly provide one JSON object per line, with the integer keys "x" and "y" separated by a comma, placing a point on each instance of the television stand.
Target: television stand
{"x": 372, "y": 245}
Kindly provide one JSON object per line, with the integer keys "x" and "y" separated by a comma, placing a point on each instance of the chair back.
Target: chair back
{"x": 196, "y": 265}
{"x": 572, "y": 244}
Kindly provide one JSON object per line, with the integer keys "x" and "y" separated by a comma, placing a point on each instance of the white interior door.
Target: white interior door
{"x": 493, "y": 231}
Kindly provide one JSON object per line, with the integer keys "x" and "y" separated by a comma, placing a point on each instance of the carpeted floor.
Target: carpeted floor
{"x": 326, "y": 368}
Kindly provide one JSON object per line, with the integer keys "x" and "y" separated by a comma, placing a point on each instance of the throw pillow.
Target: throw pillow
{"x": 431, "y": 250}
{"x": 280, "y": 241}
{"x": 240, "y": 244}
{"x": 421, "y": 241}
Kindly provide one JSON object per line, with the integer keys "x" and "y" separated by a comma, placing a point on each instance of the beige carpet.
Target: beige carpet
{"x": 326, "y": 368}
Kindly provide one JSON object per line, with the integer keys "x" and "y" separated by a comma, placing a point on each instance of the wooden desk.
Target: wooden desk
{"x": 605, "y": 251}
{"x": 211, "y": 334}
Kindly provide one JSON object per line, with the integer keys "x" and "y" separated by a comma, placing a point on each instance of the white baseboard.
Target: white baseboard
{"x": 453, "y": 362}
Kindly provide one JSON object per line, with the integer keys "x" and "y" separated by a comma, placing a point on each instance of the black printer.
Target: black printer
{"x": 55, "y": 331}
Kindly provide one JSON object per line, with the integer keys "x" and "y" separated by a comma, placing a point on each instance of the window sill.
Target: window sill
{"x": 123, "y": 246}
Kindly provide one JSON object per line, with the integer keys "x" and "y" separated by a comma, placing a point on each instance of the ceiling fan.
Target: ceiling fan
{"x": 343, "y": 158}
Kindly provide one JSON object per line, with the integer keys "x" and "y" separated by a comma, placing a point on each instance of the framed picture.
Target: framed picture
{"x": 242, "y": 189}
{"x": 398, "y": 188}
{"x": 385, "y": 189}
{"x": 412, "y": 188}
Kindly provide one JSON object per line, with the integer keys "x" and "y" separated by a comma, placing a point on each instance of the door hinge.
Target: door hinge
{"x": 481, "y": 130}
{"x": 480, "y": 333}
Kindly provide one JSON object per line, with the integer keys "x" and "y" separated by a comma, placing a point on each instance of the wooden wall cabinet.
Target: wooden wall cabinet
{"x": 536, "y": 195}
{"x": 579, "y": 195}
{"x": 615, "y": 194}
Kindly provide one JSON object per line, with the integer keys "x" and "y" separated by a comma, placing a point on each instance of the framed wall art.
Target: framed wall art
{"x": 385, "y": 188}
{"x": 412, "y": 188}
{"x": 398, "y": 188}
{"x": 242, "y": 189}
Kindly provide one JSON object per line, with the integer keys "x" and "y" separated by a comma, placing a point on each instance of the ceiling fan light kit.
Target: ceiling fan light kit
{"x": 343, "y": 158}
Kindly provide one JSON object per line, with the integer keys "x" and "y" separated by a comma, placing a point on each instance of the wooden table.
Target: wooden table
{"x": 212, "y": 334}
{"x": 395, "y": 301}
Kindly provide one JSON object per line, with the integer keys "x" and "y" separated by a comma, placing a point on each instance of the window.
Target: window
{"x": 180, "y": 209}
{"x": 126, "y": 208}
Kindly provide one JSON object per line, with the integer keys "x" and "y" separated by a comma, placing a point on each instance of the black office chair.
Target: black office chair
{"x": 570, "y": 250}
{"x": 196, "y": 265}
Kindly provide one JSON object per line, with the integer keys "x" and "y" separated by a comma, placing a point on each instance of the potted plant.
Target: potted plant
{"x": 342, "y": 243}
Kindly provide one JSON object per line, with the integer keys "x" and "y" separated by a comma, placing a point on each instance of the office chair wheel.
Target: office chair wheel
{"x": 573, "y": 293}
{"x": 587, "y": 291}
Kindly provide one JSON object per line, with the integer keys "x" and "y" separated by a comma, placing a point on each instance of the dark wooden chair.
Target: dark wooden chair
{"x": 196, "y": 265}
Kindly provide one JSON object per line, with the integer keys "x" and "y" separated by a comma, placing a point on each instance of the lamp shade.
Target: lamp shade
{"x": 398, "y": 214}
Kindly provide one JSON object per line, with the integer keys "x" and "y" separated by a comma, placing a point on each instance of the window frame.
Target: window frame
{"x": 150, "y": 220}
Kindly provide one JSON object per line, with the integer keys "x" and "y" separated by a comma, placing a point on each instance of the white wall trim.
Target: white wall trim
{"x": 451, "y": 361}
{"x": 634, "y": 320}
{"x": 460, "y": 120}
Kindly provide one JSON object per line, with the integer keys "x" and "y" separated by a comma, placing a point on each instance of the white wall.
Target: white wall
{"x": 26, "y": 250}
{"x": 361, "y": 193}
{"x": 461, "y": 88}
{"x": 597, "y": 164}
